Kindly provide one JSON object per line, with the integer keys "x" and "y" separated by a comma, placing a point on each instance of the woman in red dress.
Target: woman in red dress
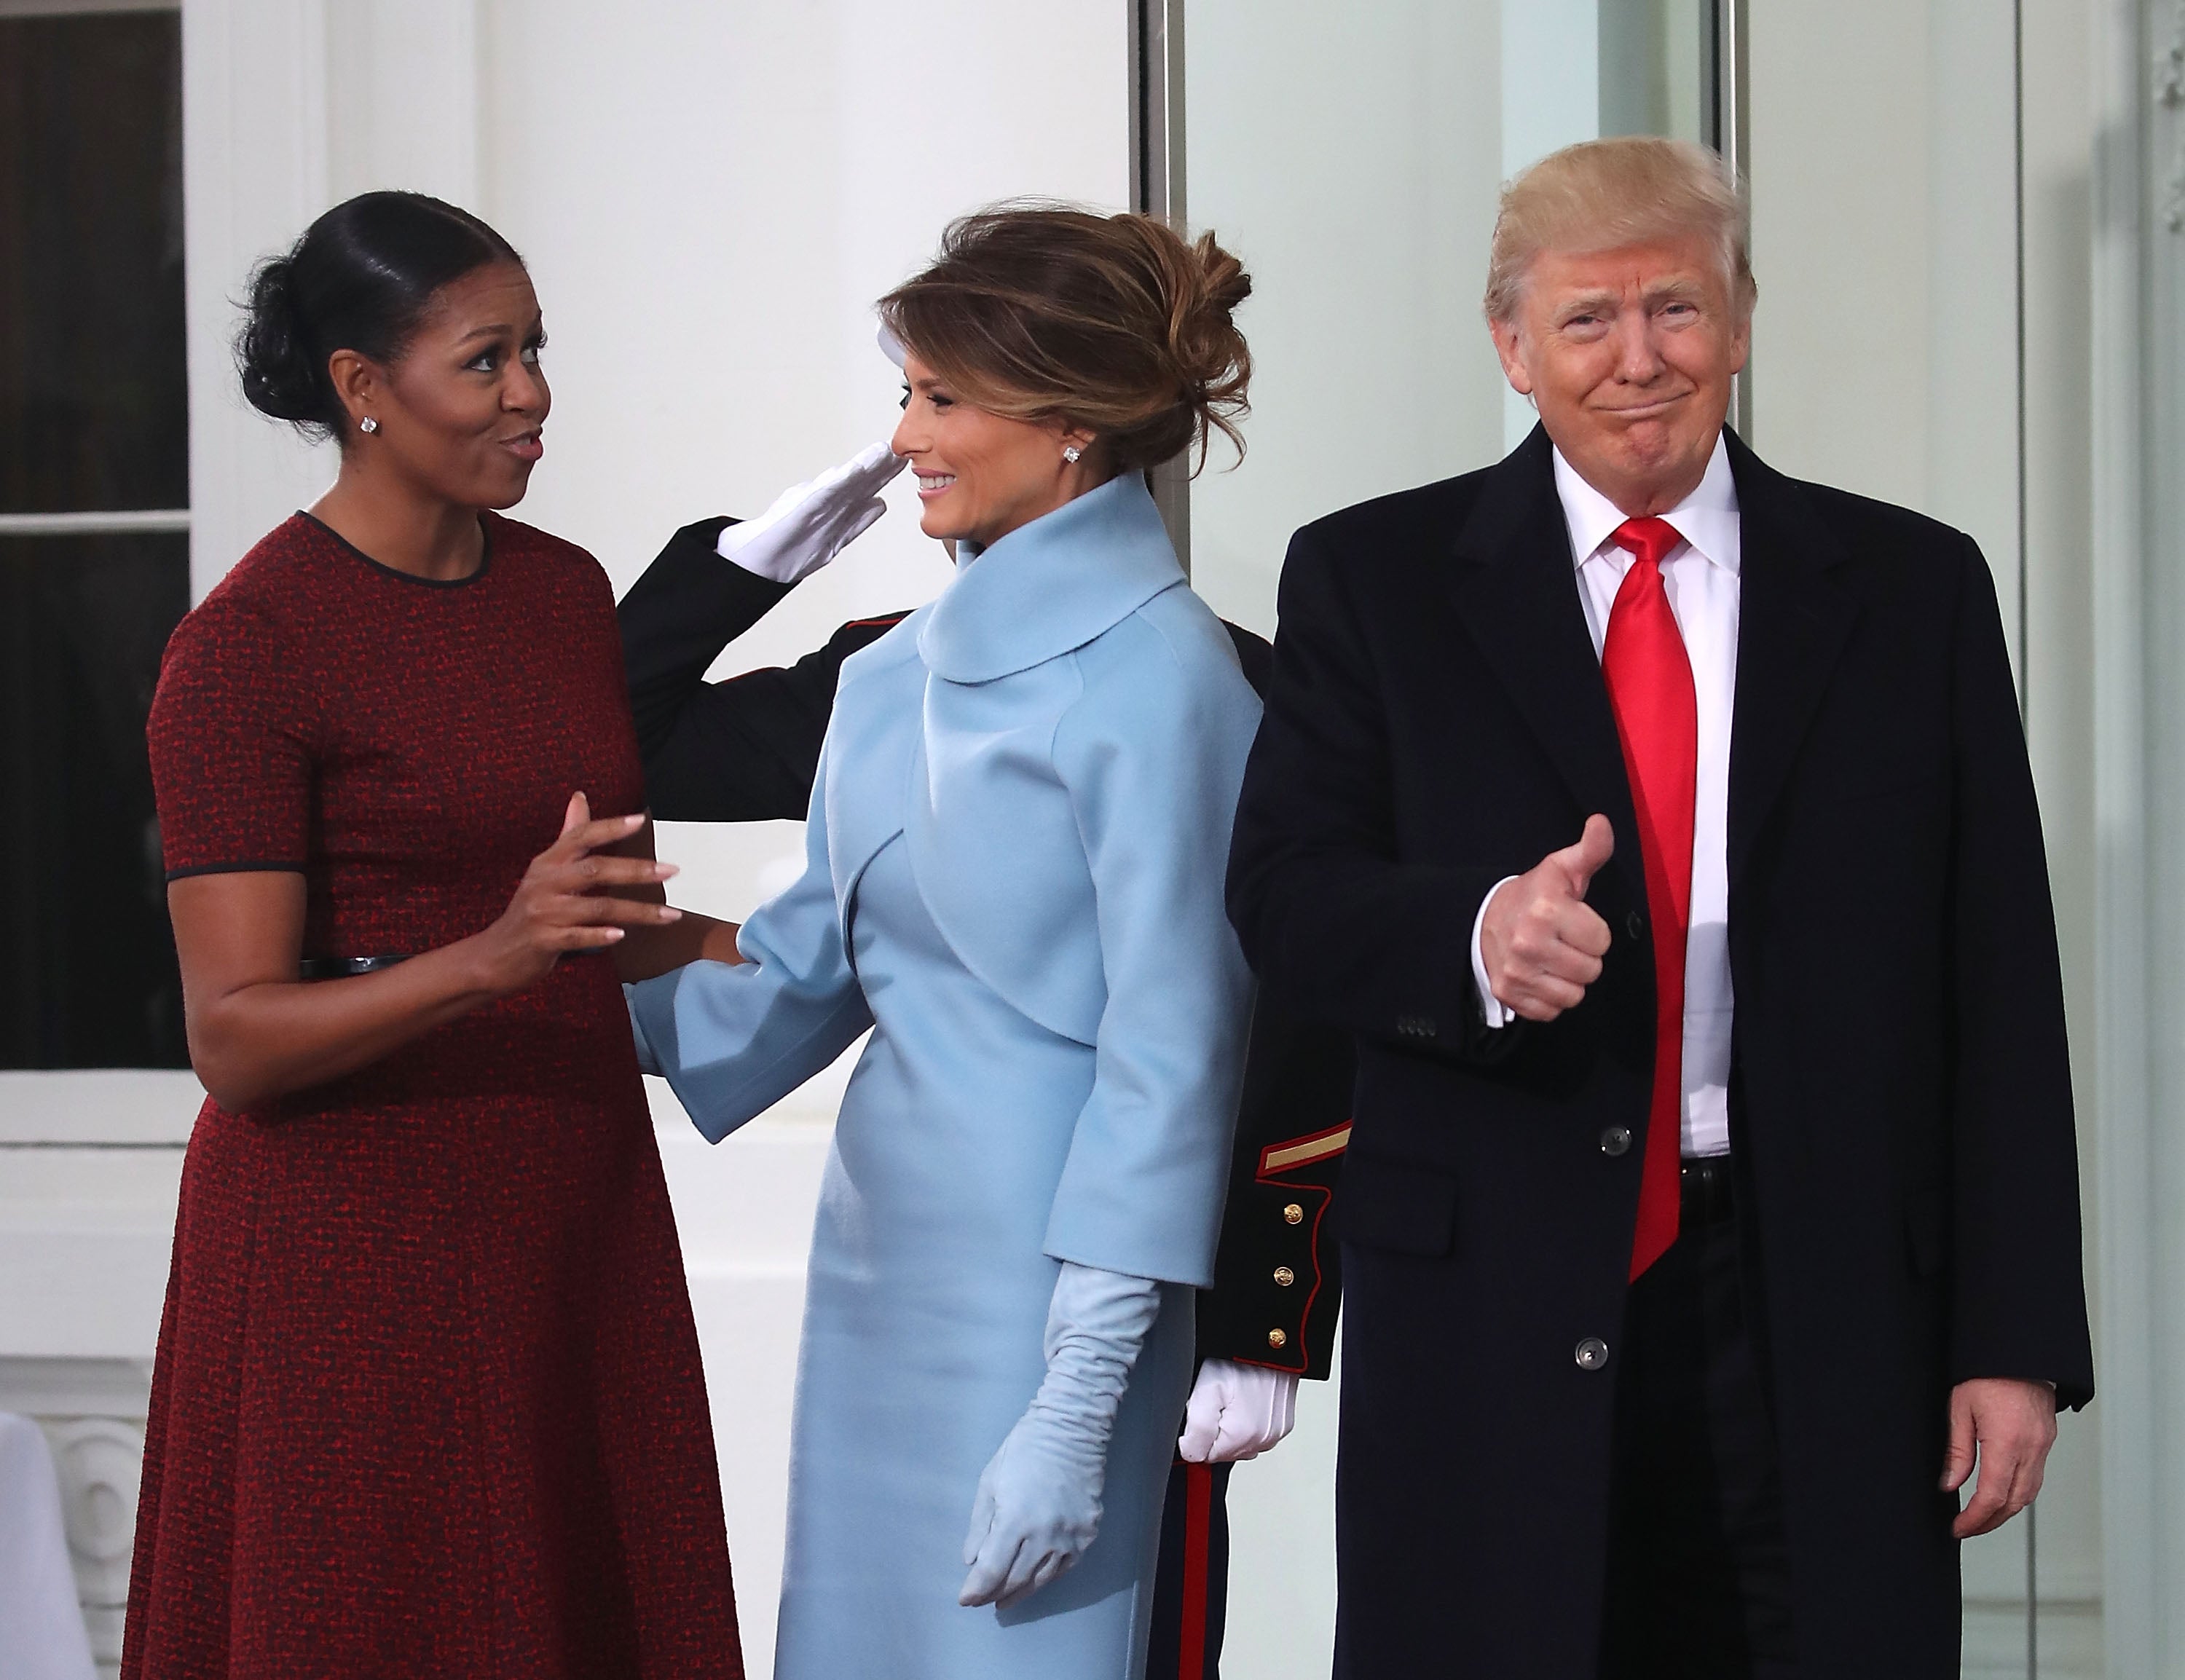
{"x": 429, "y": 1399}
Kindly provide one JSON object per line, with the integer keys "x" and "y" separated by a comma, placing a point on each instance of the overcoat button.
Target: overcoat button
{"x": 1285, "y": 1277}
{"x": 1592, "y": 1353}
{"x": 1276, "y": 1338}
{"x": 1615, "y": 1140}
{"x": 1634, "y": 924}
{"x": 1294, "y": 1214}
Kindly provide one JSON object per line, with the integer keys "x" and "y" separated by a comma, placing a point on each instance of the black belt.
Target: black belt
{"x": 341, "y": 967}
{"x": 1705, "y": 1193}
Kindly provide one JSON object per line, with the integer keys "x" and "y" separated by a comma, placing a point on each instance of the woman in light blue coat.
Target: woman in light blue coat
{"x": 1013, "y": 877}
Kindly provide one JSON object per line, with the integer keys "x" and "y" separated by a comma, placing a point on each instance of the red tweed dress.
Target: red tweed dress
{"x": 429, "y": 1399}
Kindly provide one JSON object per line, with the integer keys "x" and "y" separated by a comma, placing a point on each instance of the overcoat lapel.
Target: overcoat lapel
{"x": 1793, "y": 621}
{"x": 1515, "y": 584}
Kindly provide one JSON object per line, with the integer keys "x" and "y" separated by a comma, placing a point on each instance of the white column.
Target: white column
{"x": 254, "y": 175}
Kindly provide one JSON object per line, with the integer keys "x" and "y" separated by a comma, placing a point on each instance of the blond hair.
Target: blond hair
{"x": 1599, "y": 195}
{"x": 1112, "y": 322}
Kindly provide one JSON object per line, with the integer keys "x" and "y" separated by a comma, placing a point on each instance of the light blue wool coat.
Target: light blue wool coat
{"x": 1013, "y": 875}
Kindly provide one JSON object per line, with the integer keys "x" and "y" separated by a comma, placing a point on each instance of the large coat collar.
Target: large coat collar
{"x": 1051, "y": 586}
{"x": 1514, "y": 583}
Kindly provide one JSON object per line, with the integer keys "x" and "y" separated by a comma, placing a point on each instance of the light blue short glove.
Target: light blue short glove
{"x": 1038, "y": 1503}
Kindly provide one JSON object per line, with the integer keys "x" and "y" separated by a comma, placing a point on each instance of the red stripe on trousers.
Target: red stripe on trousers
{"x": 1198, "y": 1521}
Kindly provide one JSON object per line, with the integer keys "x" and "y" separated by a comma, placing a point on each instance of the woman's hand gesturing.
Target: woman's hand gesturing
{"x": 568, "y": 900}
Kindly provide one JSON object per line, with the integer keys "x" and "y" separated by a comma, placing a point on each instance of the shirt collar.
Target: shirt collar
{"x": 1707, "y": 519}
{"x": 1050, "y": 586}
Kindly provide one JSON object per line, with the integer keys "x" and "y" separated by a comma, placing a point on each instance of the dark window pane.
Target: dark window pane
{"x": 92, "y": 403}
{"x": 87, "y": 975}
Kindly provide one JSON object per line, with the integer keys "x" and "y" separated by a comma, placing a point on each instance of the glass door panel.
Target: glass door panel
{"x": 91, "y": 378}
{"x": 87, "y": 973}
{"x": 94, "y": 551}
{"x": 1352, "y": 159}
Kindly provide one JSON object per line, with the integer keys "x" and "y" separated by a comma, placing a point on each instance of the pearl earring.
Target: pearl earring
{"x": 368, "y": 424}
{"x": 1071, "y": 454}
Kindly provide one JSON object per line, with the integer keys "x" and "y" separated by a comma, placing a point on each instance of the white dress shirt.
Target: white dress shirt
{"x": 1701, "y": 578}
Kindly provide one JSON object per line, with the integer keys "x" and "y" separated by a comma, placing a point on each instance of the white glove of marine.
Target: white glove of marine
{"x": 1235, "y": 1412}
{"x": 809, "y": 524}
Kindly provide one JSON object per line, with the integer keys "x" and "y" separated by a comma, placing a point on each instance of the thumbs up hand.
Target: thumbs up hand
{"x": 1541, "y": 943}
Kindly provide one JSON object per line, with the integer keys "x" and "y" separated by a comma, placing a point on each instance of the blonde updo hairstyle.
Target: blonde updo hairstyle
{"x": 1112, "y": 323}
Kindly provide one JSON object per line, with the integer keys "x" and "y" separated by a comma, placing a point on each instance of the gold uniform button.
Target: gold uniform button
{"x": 1285, "y": 1277}
{"x": 1294, "y": 1214}
{"x": 1276, "y": 1338}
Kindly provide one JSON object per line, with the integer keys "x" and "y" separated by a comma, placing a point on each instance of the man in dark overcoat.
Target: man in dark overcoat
{"x": 1662, "y": 830}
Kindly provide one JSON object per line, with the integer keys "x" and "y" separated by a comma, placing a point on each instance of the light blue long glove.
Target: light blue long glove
{"x": 1038, "y": 1503}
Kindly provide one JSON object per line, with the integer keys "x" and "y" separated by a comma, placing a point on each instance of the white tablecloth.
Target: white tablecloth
{"x": 42, "y": 1632}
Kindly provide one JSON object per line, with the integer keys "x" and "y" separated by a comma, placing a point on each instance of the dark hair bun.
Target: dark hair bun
{"x": 280, "y": 376}
{"x": 360, "y": 279}
{"x": 1115, "y": 322}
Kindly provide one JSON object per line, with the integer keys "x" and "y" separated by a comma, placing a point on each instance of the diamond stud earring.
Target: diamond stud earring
{"x": 368, "y": 424}
{"x": 1071, "y": 454}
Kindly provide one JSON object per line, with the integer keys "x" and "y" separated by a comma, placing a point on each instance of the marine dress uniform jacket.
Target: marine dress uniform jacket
{"x": 1900, "y": 1107}
{"x": 1014, "y": 861}
{"x": 742, "y": 751}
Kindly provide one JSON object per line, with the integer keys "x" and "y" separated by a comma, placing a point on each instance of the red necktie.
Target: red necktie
{"x": 1650, "y": 687}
